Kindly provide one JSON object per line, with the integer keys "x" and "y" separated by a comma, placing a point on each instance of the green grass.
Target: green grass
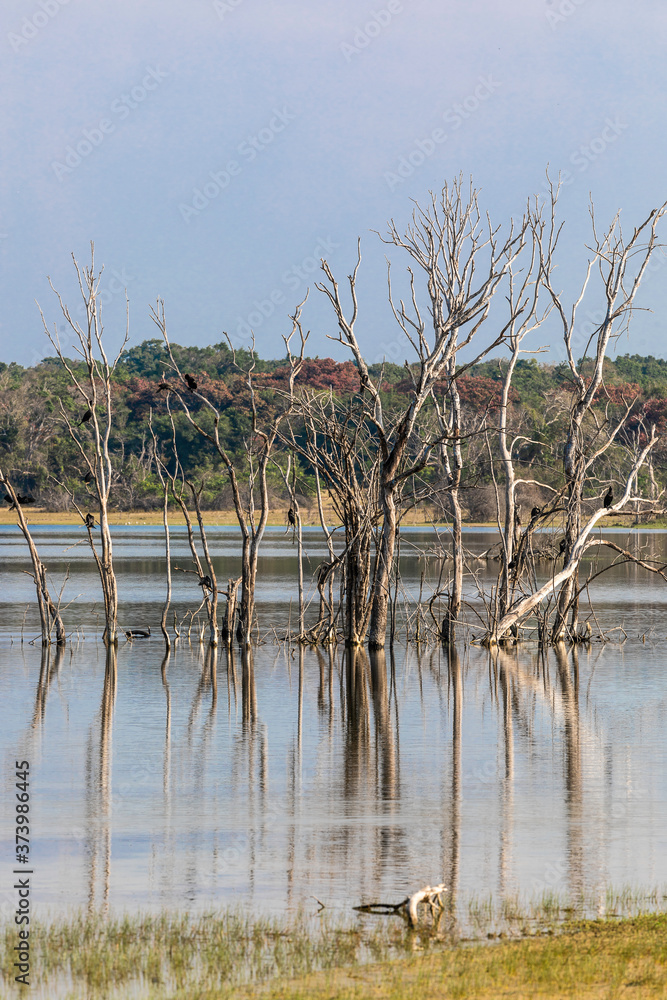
{"x": 546, "y": 945}
{"x": 174, "y": 955}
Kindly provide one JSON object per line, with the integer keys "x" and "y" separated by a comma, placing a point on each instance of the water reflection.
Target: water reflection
{"x": 50, "y": 663}
{"x": 341, "y": 774}
{"x": 506, "y": 785}
{"x": 453, "y": 852}
{"x": 98, "y": 791}
{"x": 568, "y": 674}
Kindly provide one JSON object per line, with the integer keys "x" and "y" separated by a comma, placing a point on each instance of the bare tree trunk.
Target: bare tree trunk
{"x": 213, "y": 589}
{"x": 299, "y": 538}
{"x": 165, "y": 524}
{"x": 48, "y": 612}
{"x": 167, "y": 547}
{"x": 456, "y": 591}
{"x": 330, "y": 569}
{"x": 229, "y": 619}
{"x": 248, "y": 580}
{"x": 294, "y": 520}
{"x": 385, "y": 561}
{"x": 357, "y": 576}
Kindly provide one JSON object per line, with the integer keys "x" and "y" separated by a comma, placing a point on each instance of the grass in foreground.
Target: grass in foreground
{"x": 587, "y": 960}
{"x": 218, "y": 956}
{"x": 177, "y": 955}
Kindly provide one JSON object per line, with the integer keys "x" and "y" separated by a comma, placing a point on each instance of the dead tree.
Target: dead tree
{"x": 92, "y": 431}
{"x": 325, "y": 630}
{"x": 294, "y": 522}
{"x": 251, "y": 505}
{"x": 49, "y": 612}
{"x": 451, "y": 245}
{"x": 620, "y": 265}
{"x": 581, "y": 545}
{"x": 334, "y": 437}
{"x": 174, "y": 483}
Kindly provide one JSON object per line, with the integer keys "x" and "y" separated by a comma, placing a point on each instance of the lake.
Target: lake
{"x": 201, "y": 780}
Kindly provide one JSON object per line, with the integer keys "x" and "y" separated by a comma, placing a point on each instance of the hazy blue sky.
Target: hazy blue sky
{"x": 214, "y": 151}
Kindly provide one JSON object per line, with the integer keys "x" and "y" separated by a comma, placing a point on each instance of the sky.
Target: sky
{"x": 215, "y": 150}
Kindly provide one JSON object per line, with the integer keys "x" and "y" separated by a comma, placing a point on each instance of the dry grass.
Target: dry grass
{"x": 277, "y": 517}
{"x": 589, "y": 959}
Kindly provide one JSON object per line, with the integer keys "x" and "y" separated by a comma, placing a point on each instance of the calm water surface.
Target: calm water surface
{"x": 204, "y": 780}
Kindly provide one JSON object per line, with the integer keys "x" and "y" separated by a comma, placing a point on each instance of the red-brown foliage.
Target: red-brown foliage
{"x": 619, "y": 395}
{"x": 477, "y": 392}
{"x": 317, "y": 373}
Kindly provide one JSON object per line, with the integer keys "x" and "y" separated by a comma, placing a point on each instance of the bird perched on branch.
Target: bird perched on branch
{"x": 190, "y": 382}
{"x": 535, "y": 512}
{"x": 323, "y": 571}
{"x": 205, "y": 581}
{"x": 25, "y": 500}
{"x": 86, "y": 417}
{"x": 88, "y": 476}
{"x": 608, "y": 498}
{"x": 90, "y": 520}
{"x": 291, "y": 517}
{"x": 164, "y": 385}
{"x": 561, "y": 547}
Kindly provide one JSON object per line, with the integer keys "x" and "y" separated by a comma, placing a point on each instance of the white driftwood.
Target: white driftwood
{"x": 429, "y": 894}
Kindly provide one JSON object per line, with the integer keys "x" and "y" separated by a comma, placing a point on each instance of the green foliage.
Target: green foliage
{"x": 650, "y": 373}
{"x": 36, "y": 449}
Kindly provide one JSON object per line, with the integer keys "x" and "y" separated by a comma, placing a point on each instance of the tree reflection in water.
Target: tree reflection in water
{"x": 341, "y": 774}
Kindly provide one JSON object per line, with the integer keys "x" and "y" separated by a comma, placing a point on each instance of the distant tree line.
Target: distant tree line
{"x": 36, "y": 450}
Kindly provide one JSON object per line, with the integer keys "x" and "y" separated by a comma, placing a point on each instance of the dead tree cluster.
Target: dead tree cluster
{"x": 471, "y": 288}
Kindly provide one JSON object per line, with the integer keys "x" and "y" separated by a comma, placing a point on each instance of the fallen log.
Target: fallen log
{"x": 430, "y": 894}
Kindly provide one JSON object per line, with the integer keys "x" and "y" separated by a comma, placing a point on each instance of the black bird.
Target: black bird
{"x": 561, "y": 547}
{"x": 608, "y": 497}
{"x": 88, "y": 476}
{"x": 25, "y": 500}
{"x": 190, "y": 382}
{"x": 90, "y": 520}
{"x": 535, "y": 512}
{"x": 164, "y": 385}
{"x": 323, "y": 571}
{"x": 138, "y": 633}
{"x": 205, "y": 581}
{"x": 86, "y": 417}
{"x": 291, "y": 517}
{"x": 7, "y": 498}
{"x": 511, "y": 564}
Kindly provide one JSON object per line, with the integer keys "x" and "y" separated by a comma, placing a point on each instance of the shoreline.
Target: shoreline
{"x": 40, "y": 517}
